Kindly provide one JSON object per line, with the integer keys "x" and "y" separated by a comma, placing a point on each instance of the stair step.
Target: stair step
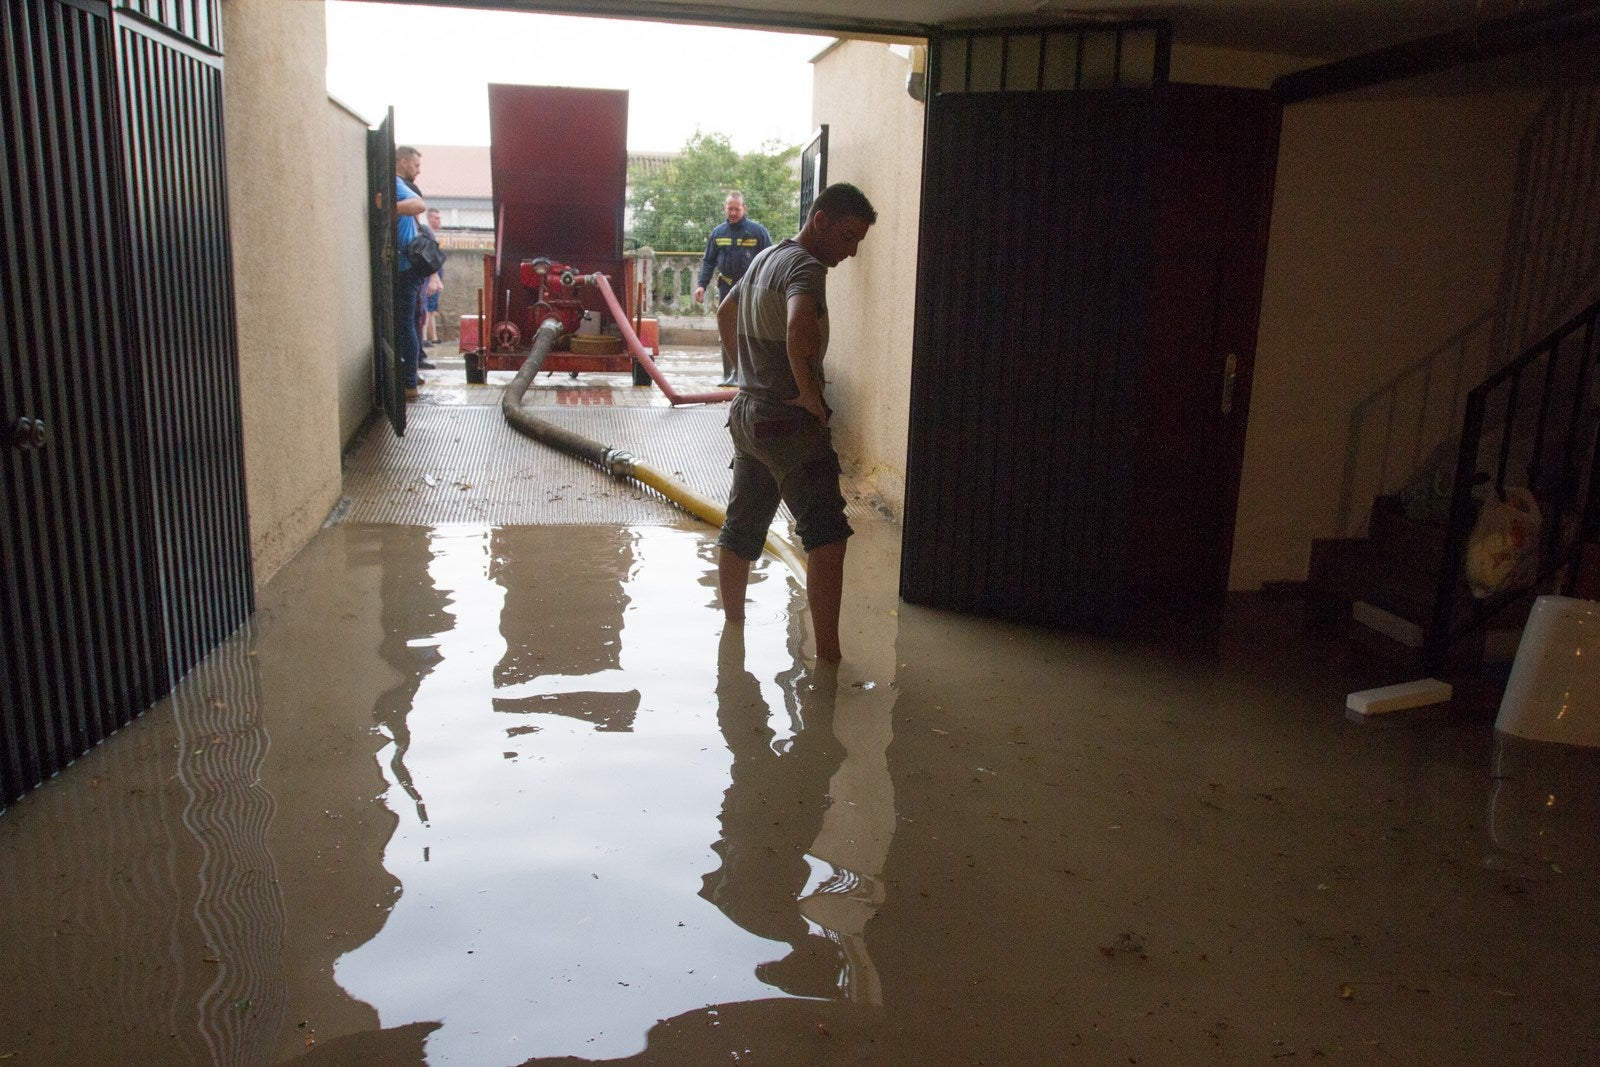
{"x": 1405, "y": 543}
{"x": 1387, "y": 623}
{"x": 1338, "y": 566}
{"x": 1408, "y": 594}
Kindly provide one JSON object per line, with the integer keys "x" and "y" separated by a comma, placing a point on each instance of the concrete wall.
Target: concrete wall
{"x": 302, "y": 298}
{"x": 875, "y": 142}
{"x": 463, "y": 277}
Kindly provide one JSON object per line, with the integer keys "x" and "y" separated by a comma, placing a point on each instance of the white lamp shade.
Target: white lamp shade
{"x": 1553, "y": 693}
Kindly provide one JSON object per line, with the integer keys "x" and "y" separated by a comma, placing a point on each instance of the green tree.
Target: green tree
{"x": 675, "y": 207}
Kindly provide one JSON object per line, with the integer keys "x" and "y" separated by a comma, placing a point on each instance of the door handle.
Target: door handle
{"x": 1230, "y": 374}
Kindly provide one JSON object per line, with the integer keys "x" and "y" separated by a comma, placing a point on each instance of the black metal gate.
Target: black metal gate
{"x": 124, "y": 543}
{"x": 388, "y": 371}
{"x": 180, "y": 282}
{"x": 1033, "y": 285}
{"x": 813, "y": 170}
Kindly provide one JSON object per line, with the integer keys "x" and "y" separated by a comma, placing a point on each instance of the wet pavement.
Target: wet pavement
{"x": 486, "y": 795}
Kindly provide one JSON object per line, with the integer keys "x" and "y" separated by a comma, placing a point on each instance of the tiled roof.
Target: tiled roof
{"x": 455, "y": 170}
{"x": 650, "y": 162}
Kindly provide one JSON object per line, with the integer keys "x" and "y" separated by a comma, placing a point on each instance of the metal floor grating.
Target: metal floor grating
{"x": 464, "y": 463}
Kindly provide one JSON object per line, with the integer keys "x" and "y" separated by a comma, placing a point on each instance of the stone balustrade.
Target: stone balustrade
{"x": 669, "y": 280}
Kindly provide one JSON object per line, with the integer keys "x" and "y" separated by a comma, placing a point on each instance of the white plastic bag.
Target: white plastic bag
{"x": 1503, "y": 549}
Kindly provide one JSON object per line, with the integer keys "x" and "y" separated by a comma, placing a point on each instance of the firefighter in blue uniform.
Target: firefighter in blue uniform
{"x": 729, "y": 250}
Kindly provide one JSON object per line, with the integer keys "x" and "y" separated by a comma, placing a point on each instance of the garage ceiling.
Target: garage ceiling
{"x": 1315, "y": 29}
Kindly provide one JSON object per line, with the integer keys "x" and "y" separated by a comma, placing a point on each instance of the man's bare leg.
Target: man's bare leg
{"x": 733, "y": 578}
{"x": 824, "y": 590}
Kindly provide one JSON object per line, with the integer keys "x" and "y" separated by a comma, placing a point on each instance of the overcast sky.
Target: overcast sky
{"x": 753, "y": 86}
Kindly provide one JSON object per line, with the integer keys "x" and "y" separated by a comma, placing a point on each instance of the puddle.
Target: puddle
{"x": 562, "y": 890}
{"x": 472, "y": 794}
{"x": 491, "y": 796}
{"x": 1544, "y": 808}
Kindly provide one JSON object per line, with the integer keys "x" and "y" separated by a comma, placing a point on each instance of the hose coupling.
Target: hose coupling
{"x": 619, "y": 463}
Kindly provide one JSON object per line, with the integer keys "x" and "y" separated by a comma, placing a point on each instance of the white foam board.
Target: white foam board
{"x": 1387, "y": 623}
{"x": 1401, "y": 697}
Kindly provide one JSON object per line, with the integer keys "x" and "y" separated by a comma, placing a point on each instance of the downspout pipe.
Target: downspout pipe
{"x": 615, "y": 461}
{"x": 640, "y": 353}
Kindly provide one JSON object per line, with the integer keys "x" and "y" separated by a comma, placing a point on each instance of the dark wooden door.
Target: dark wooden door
{"x": 1032, "y": 294}
{"x": 1090, "y": 256}
{"x": 1215, "y": 166}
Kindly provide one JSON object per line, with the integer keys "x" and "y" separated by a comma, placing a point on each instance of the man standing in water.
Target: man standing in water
{"x": 776, "y": 320}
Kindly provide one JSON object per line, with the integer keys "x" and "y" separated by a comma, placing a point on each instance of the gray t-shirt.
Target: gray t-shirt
{"x": 779, "y": 272}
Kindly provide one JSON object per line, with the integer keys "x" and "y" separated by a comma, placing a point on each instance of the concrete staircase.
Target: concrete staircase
{"x": 1380, "y": 590}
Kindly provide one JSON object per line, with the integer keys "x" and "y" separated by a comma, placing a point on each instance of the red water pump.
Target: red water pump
{"x": 553, "y": 287}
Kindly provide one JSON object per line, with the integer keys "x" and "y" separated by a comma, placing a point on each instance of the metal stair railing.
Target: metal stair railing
{"x": 1552, "y": 253}
{"x": 1399, "y": 425}
{"x": 1552, "y": 430}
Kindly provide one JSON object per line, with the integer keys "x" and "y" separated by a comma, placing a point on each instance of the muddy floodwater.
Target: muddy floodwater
{"x": 478, "y": 795}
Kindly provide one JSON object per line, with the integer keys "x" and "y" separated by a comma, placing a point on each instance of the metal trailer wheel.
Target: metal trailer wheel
{"x": 476, "y": 375}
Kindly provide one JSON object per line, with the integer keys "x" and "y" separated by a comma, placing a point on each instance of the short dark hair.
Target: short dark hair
{"x": 842, "y": 198}
{"x": 405, "y": 151}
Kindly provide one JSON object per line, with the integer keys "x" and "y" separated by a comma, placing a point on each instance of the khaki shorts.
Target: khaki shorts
{"x": 781, "y": 454}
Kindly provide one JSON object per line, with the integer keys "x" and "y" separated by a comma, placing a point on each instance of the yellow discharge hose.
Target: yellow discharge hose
{"x": 703, "y": 507}
{"x": 614, "y": 461}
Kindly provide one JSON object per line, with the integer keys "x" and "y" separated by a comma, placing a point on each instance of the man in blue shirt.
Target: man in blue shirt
{"x": 729, "y": 250}
{"x": 408, "y": 205}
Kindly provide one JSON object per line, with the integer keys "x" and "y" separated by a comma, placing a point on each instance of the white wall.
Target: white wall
{"x": 301, "y": 304}
{"x": 1388, "y": 230}
{"x": 875, "y": 142}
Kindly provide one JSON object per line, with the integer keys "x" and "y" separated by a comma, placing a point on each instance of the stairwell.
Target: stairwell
{"x": 1382, "y": 590}
{"x": 1509, "y": 401}
{"x": 1534, "y": 425}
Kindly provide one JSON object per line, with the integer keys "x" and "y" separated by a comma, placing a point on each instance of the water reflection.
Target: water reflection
{"x": 549, "y": 648}
{"x": 488, "y": 842}
{"x": 1544, "y": 810}
{"x": 792, "y": 870}
{"x": 771, "y": 815}
{"x": 571, "y": 728}
{"x": 411, "y": 612}
{"x": 146, "y": 923}
{"x": 238, "y": 908}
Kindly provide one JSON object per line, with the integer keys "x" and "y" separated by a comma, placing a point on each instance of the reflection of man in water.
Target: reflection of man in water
{"x": 772, "y": 815}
